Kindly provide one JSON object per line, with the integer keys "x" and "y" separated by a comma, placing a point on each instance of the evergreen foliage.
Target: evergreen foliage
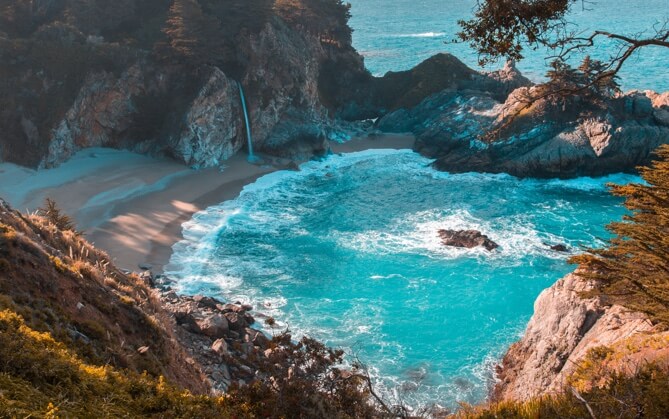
{"x": 585, "y": 83}
{"x": 634, "y": 270}
{"x": 194, "y": 35}
{"x": 53, "y": 213}
{"x": 325, "y": 18}
{"x": 500, "y": 28}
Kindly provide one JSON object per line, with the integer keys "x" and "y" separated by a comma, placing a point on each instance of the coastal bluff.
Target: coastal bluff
{"x": 565, "y": 327}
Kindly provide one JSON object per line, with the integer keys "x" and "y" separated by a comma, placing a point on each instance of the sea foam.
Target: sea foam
{"x": 346, "y": 250}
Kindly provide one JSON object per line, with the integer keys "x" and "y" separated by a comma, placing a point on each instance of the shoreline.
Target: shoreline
{"x": 132, "y": 206}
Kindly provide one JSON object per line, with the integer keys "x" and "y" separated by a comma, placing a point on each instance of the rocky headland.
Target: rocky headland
{"x": 543, "y": 140}
{"x": 565, "y": 327}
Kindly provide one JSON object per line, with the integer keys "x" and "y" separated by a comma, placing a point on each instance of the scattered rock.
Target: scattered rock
{"x": 207, "y": 302}
{"x": 147, "y": 278}
{"x": 467, "y": 239}
{"x": 235, "y": 321}
{"x": 220, "y": 347}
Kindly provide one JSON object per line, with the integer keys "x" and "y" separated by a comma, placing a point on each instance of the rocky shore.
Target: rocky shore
{"x": 566, "y": 325}
{"x": 217, "y": 336}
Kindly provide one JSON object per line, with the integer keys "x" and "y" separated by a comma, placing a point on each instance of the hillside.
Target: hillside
{"x": 79, "y": 337}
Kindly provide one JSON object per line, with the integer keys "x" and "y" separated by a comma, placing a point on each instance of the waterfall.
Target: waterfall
{"x": 252, "y": 158}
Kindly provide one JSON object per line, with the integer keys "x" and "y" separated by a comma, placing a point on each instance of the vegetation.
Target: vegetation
{"x": 585, "y": 79}
{"x": 634, "y": 270}
{"x": 504, "y": 28}
{"x": 192, "y": 34}
{"x": 80, "y": 338}
{"x": 40, "y": 376}
{"x": 325, "y": 18}
{"x": 52, "y": 213}
{"x": 643, "y": 394}
{"x": 307, "y": 377}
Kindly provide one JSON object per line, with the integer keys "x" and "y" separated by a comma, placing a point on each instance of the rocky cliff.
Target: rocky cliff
{"x": 543, "y": 140}
{"x": 77, "y": 74}
{"x": 564, "y": 328}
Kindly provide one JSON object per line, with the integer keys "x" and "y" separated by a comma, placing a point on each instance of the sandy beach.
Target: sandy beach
{"x": 133, "y": 206}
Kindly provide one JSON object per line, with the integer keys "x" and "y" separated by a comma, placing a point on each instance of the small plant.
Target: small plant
{"x": 51, "y": 212}
{"x": 58, "y": 264}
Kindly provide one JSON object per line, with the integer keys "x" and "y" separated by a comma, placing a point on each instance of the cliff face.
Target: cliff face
{"x": 72, "y": 83}
{"x": 564, "y": 328}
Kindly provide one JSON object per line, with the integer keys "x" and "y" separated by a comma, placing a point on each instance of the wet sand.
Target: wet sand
{"x": 132, "y": 206}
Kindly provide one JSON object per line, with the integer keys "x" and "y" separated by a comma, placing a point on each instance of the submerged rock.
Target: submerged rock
{"x": 467, "y": 239}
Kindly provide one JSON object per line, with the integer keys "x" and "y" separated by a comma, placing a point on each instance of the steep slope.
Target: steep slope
{"x": 608, "y": 321}
{"x": 79, "y": 338}
{"x": 63, "y": 286}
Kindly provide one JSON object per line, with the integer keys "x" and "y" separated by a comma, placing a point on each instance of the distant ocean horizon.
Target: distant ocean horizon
{"x": 395, "y": 35}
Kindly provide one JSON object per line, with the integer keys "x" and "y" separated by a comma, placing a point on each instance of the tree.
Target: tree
{"x": 634, "y": 270}
{"x": 52, "y": 212}
{"x": 193, "y": 35}
{"x": 504, "y": 28}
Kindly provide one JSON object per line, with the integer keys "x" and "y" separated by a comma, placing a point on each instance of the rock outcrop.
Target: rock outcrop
{"x": 564, "y": 327}
{"x": 468, "y": 239}
{"x": 542, "y": 141}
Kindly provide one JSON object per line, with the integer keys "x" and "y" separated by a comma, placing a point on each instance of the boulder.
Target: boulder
{"x": 236, "y": 322}
{"x": 560, "y": 248}
{"x": 467, "y": 239}
{"x": 215, "y": 326}
{"x": 206, "y": 302}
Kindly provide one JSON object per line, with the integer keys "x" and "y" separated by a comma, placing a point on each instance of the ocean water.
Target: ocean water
{"x": 346, "y": 251}
{"x": 398, "y": 34}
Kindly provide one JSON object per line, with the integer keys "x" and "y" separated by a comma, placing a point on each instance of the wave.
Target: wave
{"x": 421, "y": 35}
{"x": 335, "y": 250}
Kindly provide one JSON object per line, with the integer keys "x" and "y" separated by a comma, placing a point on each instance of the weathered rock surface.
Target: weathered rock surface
{"x": 564, "y": 327}
{"x": 122, "y": 96}
{"x": 542, "y": 142}
{"x": 467, "y": 239}
{"x": 213, "y": 128}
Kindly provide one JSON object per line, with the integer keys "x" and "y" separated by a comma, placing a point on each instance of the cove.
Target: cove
{"x": 346, "y": 250}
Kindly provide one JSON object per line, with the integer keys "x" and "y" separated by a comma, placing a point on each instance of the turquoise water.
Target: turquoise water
{"x": 346, "y": 251}
{"x": 398, "y": 34}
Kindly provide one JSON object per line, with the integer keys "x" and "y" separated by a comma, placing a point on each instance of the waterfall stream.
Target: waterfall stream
{"x": 252, "y": 157}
